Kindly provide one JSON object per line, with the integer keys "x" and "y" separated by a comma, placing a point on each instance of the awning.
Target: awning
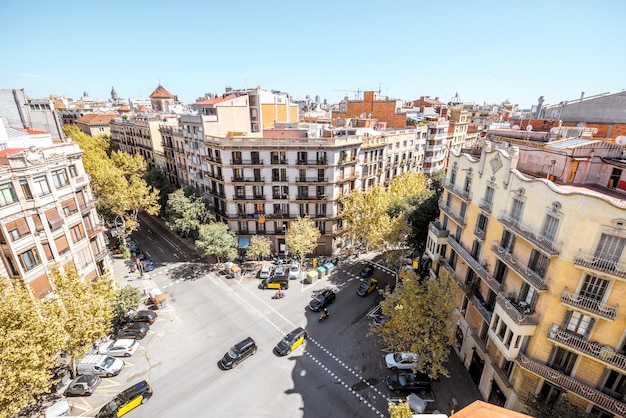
{"x": 244, "y": 242}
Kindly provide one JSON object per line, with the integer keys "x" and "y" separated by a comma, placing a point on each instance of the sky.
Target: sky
{"x": 484, "y": 51}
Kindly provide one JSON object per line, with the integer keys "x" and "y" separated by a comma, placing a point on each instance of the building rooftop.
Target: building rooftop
{"x": 161, "y": 93}
{"x": 480, "y": 409}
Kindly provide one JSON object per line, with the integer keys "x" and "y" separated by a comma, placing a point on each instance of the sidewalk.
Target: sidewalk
{"x": 459, "y": 386}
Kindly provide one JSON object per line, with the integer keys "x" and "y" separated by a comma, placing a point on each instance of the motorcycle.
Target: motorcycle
{"x": 325, "y": 314}
{"x": 278, "y": 295}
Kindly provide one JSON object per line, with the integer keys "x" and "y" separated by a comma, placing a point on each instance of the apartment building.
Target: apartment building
{"x": 535, "y": 244}
{"x": 94, "y": 124}
{"x": 48, "y": 215}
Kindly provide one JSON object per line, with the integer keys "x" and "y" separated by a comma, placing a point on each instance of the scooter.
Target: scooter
{"x": 325, "y": 314}
{"x": 278, "y": 295}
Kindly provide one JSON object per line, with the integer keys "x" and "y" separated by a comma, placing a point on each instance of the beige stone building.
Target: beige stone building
{"x": 537, "y": 252}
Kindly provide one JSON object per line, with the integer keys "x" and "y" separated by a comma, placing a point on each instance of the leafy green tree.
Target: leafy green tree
{"x": 408, "y": 184}
{"x": 31, "y": 335}
{"x": 127, "y": 299}
{"x": 421, "y": 321}
{"x": 425, "y": 210}
{"x": 402, "y": 410}
{"x": 540, "y": 408}
{"x": 159, "y": 181}
{"x": 87, "y": 307}
{"x": 366, "y": 218}
{"x": 216, "y": 240}
{"x": 259, "y": 247}
{"x": 187, "y": 213}
{"x": 302, "y": 236}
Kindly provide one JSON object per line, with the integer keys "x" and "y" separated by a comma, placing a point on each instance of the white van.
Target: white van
{"x": 100, "y": 365}
{"x": 59, "y": 409}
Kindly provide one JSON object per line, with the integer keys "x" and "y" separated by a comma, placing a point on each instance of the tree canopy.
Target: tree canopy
{"x": 402, "y": 410}
{"x": 159, "y": 181}
{"x": 560, "y": 407}
{"x": 421, "y": 321}
{"x": 259, "y": 247}
{"x": 187, "y": 211}
{"x": 302, "y": 237}
{"x": 216, "y": 240}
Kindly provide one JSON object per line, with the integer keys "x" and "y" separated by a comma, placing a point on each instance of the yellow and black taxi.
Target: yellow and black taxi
{"x": 291, "y": 341}
{"x": 367, "y": 287}
{"x": 126, "y": 401}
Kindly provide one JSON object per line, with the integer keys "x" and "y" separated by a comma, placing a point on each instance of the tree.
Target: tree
{"x": 187, "y": 213}
{"x": 366, "y": 218}
{"x": 259, "y": 247}
{"x": 408, "y": 184}
{"x": 127, "y": 299}
{"x": 540, "y": 408}
{"x": 421, "y": 321}
{"x": 402, "y": 410}
{"x": 302, "y": 237}
{"x": 159, "y": 181}
{"x": 87, "y": 307}
{"x": 425, "y": 210}
{"x": 31, "y": 335}
{"x": 216, "y": 240}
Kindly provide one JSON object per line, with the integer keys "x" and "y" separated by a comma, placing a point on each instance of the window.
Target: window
{"x": 77, "y": 233}
{"x": 17, "y": 229}
{"x": 468, "y": 184}
{"x": 304, "y": 209}
{"x": 528, "y": 296}
{"x": 550, "y": 228}
{"x": 488, "y": 199}
{"x": 54, "y": 219}
{"x": 508, "y": 241}
{"x": 237, "y": 157}
{"x": 84, "y": 257}
{"x": 41, "y": 186}
{"x": 47, "y": 251}
{"x": 610, "y": 247}
{"x": 538, "y": 263}
{"x": 481, "y": 224}
{"x": 257, "y": 191}
{"x": 38, "y": 223}
{"x": 254, "y": 155}
{"x": 7, "y": 194}
{"x": 61, "y": 244}
{"x": 578, "y": 323}
{"x": 499, "y": 271}
{"x": 73, "y": 171}
{"x": 597, "y": 412}
{"x": 320, "y": 210}
{"x": 614, "y": 384}
{"x": 562, "y": 360}
{"x": 321, "y": 225}
{"x": 507, "y": 367}
{"x": 594, "y": 288}
{"x": 59, "y": 178}
{"x": 302, "y": 157}
{"x": 240, "y": 191}
{"x": 29, "y": 259}
{"x": 26, "y": 189}
{"x": 69, "y": 207}
{"x": 516, "y": 210}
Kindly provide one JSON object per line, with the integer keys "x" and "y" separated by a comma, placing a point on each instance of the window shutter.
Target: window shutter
{"x": 38, "y": 223}
{"x": 61, "y": 244}
{"x": 54, "y": 219}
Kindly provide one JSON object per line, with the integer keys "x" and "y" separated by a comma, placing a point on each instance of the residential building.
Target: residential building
{"x": 20, "y": 111}
{"x": 536, "y": 249}
{"x": 95, "y": 124}
{"x": 161, "y": 99}
{"x": 48, "y": 215}
{"x": 373, "y": 106}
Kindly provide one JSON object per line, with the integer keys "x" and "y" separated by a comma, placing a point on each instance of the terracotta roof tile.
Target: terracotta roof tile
{"x": 217, "y": 100}
{"x": 11, "y": 151}
{"x": 97, "y": 118}
{"x": 161, "y": 93}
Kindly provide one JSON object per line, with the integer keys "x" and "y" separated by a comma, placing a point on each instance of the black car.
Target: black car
{"x": 135, "y": 330}
{"x": 148, "y": 265}
{"x": 367, "y": 271}
{"x": 322, "y": 300}
{"x": 83, "y": 385}
{"x": 238, "y": 353}
{"x": 408, "y": 382}
{"x": 126, "y": 401}
{"x": 142, "y": 316}
{"x": 291, "y": 341}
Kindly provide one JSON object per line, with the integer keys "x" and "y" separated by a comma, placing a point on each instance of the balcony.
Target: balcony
{"x": 311, "y": 180}
{"x": 527, "y": 274}
{"x": 463, "y": 194}
{"x": 598, "y": 263}
{"x": 593, "y": 306}
{"x": 603, "y": 353}
{"x": 246, "y": 162}
{"x": 215, "y": 176}
{"x": 307, "y": 197}
{"x": 348, "y": 177}
{"x": 217, "y": 160}
{"x": 87, "y": 206}
{"x": 456, "y": 217}
{"x": 347, "y": 160}
{"x": 485, "y": 205}
{"x": 321, "y": 161}
{"x": 217, "y": 193}
{"x": 582, "y": 390}
{"x": 281, "y": 179}
{"x": 482, "y": 308}
{"x": 279, "y": 161}
{"x": 248, "y": 179}
{"x": 474, "y": 265}
{"x": 518, "y": 312}
{"x": 479, "y": 233}
{"x": 536, "y": 238}
{"x": 245, "y": 197}
{"x": 436, "y": 228}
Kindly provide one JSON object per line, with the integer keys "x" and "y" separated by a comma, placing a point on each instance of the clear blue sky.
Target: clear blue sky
{"x": 487, "y": 51}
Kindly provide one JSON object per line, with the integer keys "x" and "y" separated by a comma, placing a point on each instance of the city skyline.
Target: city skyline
{"x": 484, "y": 52}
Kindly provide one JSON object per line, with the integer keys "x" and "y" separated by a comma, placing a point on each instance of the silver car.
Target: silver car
{"x": 400, "y": 361}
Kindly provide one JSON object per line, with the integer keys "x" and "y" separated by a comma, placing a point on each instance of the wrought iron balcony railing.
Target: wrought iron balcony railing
{"x": 588, "y": 304}
{"x": 601, "y": 263}
{"x": 456, "y": 217}
{"x": 463, "y": 194}
{"x": 547, "y": 244}
{"x": 516, "y": 265}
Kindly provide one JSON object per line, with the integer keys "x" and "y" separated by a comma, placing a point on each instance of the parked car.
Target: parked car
{"x": 367, "y": 287}
{"x": 323, "y": 299}
{"x": 294, "y": 271}
{"x": 367, "y": 271}
{"x": 144, "y": 315}
{"x": 133, "y": 247}
{"x": 135, "y": 330}
{"x": 279, "y": 271}
{"x": 126, "y": 401}
{"x": 83, "y": 385}
{"x": 238, "y": 353}
{"x": 265, "y": 272}
{"x": 402, "y": 361}
{"x": 119, "y": 348}
{"x": 379, "y": 319}
{"x": 291, "y": 341}
{"x": 148, "y": 265}
{"x": 408, "y": 382}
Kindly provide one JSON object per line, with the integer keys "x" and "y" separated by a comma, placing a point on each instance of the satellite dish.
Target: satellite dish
{"x": 620, "y": 140}
{"x": 516, "y": 127}
{"x": 529, "y": 128}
